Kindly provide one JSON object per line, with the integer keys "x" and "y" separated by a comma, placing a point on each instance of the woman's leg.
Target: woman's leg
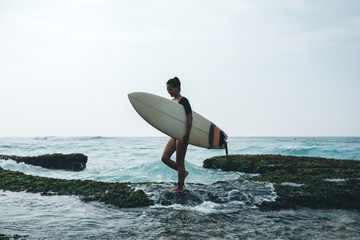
{"x": 170, "y": 148}
{"x": 180, "y": 161}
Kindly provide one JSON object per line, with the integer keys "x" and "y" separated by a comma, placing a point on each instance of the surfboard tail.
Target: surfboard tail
{"x": 217, "y": 137}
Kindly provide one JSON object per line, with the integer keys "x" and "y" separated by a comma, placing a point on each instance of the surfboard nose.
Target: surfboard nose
{"x": 132, "y": 95}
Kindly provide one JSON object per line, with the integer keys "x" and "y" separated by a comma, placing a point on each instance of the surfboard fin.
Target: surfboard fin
{"x": 226, "y": 150}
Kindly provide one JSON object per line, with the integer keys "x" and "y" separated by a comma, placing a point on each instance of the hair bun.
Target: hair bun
{"x": 174, "y": 82}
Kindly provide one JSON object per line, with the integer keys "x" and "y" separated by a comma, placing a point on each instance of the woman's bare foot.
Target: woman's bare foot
{"x": 177, "y": 189}
{"x": 180, "y": 188}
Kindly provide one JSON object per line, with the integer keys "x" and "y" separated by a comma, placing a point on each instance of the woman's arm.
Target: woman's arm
{"x": 188, "y": 128}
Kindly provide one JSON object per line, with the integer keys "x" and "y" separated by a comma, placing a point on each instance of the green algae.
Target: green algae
{"x": 118, "y": 194}
{"x": 318, "y": 195}
{"x": 11, "y": 237}
{"x": 312, "y": 174}
{"x": 268, "y": 162}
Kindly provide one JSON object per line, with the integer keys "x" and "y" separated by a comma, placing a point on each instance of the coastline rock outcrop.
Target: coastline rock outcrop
{"x": 299, "y": 182}
{"x": 118, "y": 194}
{"x": 72, "y": 162}
{"x": 319, "y": 183}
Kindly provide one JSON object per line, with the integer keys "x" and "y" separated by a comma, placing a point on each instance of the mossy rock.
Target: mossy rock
{"x": 12, "y": 237}
{"x": 70, "y": 162}
{"x": 312, "y": 174}
{"x": 268, "y": 162}
{"x": 321, "y": 195}
{"x": 118, "y": 194}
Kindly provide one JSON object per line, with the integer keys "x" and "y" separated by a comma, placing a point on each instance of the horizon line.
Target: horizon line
{"x": 108, "y": 136}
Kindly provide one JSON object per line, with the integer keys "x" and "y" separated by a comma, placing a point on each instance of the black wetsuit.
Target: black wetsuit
{"x": 185, "y": 102}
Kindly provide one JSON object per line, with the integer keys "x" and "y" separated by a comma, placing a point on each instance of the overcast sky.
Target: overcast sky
{"x": 254, "y": 68}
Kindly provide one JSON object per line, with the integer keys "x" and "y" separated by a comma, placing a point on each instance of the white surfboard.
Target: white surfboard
{"x": 170, "y": 118}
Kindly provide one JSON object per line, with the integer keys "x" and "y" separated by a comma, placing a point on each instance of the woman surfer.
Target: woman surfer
{"x": 173, "y": 87}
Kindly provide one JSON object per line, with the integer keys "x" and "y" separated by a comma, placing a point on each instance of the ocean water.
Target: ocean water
{"x": 208, "y": 210}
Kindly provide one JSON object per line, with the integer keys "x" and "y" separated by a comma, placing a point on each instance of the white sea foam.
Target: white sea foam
{"x": 336, "y": 180}
{"x": 292, "y": 184}
{"x": 206, "y": 207}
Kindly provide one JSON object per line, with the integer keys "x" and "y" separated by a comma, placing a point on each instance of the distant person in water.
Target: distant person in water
{"x": 179, "y": 146}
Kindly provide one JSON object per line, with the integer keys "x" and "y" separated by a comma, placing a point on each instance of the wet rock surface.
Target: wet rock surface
{"x": 10, "y": 237}
{"x": 72, "y": 162}
{"x": 225, "y": 196}
{"x": 117, "y": 194}
{"x": 319, "y": 183}
{"x": 279, "y": 182}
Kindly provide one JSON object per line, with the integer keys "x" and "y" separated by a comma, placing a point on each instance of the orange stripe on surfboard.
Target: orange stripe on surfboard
{"x": 216, "y": 139}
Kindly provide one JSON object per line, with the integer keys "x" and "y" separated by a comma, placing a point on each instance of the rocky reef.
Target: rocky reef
{"x": 118, "y": 194}
{"x": 72, "y": 162}
{"x": 313, "y": 182}
{"x": 11, "y": 237}
{"x": 319, "y": 183}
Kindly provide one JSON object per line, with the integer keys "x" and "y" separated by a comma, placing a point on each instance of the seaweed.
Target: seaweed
{"x": 311, "y": 174}
{"x": 310, "y": 177}
{"x": 10, "y": 237}
{"x": 118, "y": 194}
